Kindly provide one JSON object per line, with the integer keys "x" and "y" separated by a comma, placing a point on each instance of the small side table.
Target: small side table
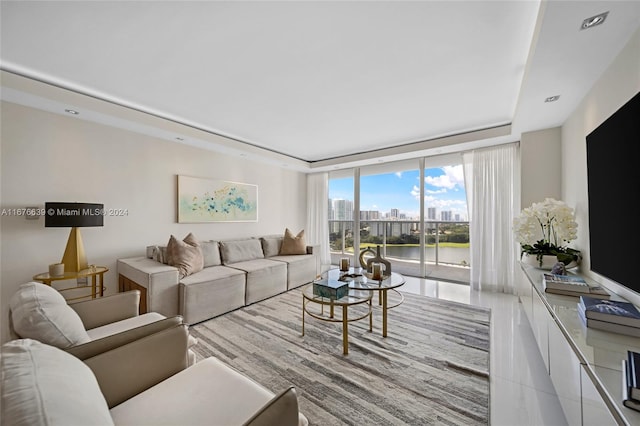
{"x": 96, "y": 274}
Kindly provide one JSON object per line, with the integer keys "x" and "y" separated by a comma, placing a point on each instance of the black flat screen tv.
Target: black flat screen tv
{"x": 613, "y": 176}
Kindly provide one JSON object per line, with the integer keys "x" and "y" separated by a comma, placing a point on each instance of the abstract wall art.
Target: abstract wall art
{"x": 207, "y": 200}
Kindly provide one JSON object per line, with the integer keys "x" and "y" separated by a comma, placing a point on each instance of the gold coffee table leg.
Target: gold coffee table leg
{"x": 384, "y": 313}
{"x": 345, "y": 332}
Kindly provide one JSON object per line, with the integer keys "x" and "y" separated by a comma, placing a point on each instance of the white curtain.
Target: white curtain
{"x": 492, "y": 182}
{"x": 318, "y": 214}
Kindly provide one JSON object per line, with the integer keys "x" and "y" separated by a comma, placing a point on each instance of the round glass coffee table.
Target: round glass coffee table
{"x": 353, "y": 298}
{"x": 359, "y": 279}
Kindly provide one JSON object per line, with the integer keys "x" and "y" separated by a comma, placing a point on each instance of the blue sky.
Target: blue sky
{"x": 444, "y": 190}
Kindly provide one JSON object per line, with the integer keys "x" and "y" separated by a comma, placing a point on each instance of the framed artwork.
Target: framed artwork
{"x": 207, "y": 200}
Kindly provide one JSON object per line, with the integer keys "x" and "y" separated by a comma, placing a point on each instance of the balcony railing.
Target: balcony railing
{"x": 446, "y": 249}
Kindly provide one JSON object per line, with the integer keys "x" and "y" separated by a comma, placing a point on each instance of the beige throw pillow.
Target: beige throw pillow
{"x": 293, "y": 244}
{"x": 186, "y": 255}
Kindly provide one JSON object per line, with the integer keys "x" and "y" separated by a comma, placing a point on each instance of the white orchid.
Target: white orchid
{"x": 545, "y": 228}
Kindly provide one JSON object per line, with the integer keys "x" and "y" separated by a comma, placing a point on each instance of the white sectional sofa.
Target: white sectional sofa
{"x": 235, "y": 273}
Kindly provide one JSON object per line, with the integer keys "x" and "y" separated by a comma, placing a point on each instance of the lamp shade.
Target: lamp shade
{"x": 73, "y": 215}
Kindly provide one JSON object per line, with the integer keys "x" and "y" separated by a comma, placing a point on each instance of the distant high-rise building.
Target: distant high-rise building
{"x": 457, "y": 217}
{"x": 370, "y": 215}
{"x": 431, "y": 213}
{"x": 339, "y": 210}
{"x": 445, "y": 215}
{"x": 395, "y": 213}
{"x": 342, "y": 209}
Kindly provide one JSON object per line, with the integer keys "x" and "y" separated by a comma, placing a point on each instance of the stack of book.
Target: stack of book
{"x": 610, "y": 315}
{"x": 571, "y": 285}
{"x": 631, "y": 381}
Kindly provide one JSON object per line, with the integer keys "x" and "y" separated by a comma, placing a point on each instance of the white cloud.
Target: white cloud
{"x": 453, "y": 176}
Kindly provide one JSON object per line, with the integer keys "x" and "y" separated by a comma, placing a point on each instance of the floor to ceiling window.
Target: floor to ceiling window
{"x": 386, "y": 198}
{"x": 341, "y": 209}
{"x": 446, "y": 219}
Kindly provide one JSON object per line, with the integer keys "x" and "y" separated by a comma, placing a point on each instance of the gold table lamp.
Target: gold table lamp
{"x": 74, "y": 216}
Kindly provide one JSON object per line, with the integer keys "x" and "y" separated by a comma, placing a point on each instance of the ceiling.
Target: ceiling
{"x": 312, "y": 85}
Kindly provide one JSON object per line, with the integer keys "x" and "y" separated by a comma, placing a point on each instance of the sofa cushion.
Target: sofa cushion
{"x": 293, "y": 244}
{"x": 39, "y": 312}
{"x": 210, "y": 253}
{"x": 271, "y": 245}
{"x": 186, "y": 255}
{"x": 44, "y": 385}
{"x": 234, "y": 251}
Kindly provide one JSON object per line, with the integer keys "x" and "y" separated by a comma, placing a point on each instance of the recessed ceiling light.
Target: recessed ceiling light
{"x": 593, "y": 21}
{"x": 71, "y": 111}
{"x": 552, "y": 98}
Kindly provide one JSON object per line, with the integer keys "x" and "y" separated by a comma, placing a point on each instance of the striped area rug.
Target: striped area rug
{"x": 433, "y": 368}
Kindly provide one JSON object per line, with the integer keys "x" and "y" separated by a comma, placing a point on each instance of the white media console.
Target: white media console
{"x": 584, "y": 364}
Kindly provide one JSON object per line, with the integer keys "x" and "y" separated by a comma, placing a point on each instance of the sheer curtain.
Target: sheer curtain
{"x": 318, "y": 214}
{"x": 493, "y": 188}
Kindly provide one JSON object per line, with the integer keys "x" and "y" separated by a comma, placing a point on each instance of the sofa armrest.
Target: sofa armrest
{"x": 105, "y": 344}
{"x": 108, "y": 309}
{"x": 281, "y": 410}
{"x": 160, "y": 280}
{"x": 126, "y": 371}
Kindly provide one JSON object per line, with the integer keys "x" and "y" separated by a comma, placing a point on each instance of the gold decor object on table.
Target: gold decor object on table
{"x": 344, "y": 264}
{"x": 368, "y": 264}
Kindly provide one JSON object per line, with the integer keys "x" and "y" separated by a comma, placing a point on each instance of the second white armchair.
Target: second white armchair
{"x": 38, "y": 311}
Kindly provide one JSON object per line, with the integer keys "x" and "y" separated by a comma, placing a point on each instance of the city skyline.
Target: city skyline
{"x": 444, "y": 190}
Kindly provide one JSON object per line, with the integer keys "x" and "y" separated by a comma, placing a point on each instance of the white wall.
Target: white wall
{"x": 617, "y": 85}
{"x": 540, "y": 171}
{"x": 49, "y": 157}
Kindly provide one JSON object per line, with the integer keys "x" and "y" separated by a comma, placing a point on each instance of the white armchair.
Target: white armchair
{"x": 44, "y": 385}
{"x": 38, "y": 311}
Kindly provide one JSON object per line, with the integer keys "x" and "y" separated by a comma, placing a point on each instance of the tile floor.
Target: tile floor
{"x": 521, "y": 391}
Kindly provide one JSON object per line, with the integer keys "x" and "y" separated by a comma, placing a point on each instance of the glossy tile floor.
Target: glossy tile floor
{"x": 521, "y": 391}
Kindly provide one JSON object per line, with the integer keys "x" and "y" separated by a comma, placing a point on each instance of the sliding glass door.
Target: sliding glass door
{"x": 414, "y": 211}
{"x": 390, "y": 213}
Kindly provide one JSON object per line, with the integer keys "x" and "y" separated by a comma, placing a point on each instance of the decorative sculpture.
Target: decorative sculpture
{"x": 559, "y": 269}
{"x": 376, "y": 259}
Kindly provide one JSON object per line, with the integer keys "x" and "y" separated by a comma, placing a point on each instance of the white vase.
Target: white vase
{"x": 547, "y": 261}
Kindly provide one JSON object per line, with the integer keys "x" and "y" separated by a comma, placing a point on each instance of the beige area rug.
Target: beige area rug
{"x": 433, "y": 368}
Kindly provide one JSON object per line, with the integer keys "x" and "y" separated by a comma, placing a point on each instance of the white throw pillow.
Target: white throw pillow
{"x": 43, "y": 385}
{"x": 40, "y": 312}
